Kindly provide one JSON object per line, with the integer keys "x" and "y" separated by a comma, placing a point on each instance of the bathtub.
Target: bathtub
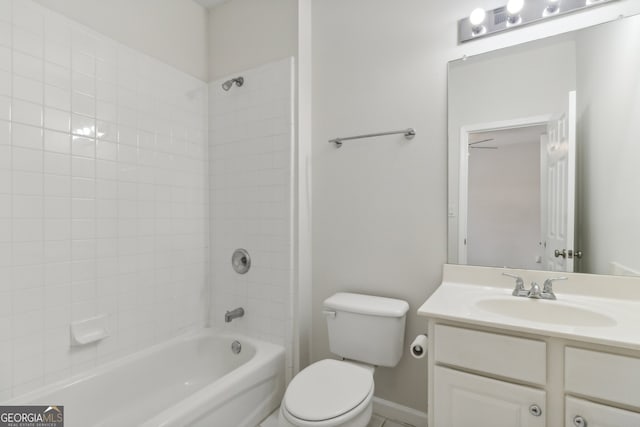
{"x": 192, "y": 380}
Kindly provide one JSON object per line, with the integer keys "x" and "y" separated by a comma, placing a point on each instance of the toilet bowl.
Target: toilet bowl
{"x": 366, "y": 331}
{"x": 329, "y": 393}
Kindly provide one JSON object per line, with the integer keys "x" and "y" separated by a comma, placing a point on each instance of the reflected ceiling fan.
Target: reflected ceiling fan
{"x": 472, "y": 145}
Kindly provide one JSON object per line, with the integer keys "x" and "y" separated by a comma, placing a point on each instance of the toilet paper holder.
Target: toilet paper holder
{"x": 419, "y": 346}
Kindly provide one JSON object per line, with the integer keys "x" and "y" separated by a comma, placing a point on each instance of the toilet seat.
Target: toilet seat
{"x": 327, "y": 390}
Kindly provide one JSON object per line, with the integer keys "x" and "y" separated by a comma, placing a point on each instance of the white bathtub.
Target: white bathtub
{"x": 192, "y": 380}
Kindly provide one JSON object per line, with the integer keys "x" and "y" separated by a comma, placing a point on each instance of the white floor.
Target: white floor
{"x": 376, "y": 421}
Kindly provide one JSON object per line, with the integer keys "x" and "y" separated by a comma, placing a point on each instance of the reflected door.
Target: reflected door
{"x": 558, "y": 185}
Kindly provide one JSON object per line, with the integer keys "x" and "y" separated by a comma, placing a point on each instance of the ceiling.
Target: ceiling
{"x": 210, "y": 3}
{"x": 507, "y": 136}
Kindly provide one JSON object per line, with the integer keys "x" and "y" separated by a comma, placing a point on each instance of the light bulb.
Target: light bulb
{"x": 513, "y": 10}
{"x": 515, "y": 6}
{"x": 477, "y": 16}
{"x": 553, "y": 6}
{"x": 476, "y": 19}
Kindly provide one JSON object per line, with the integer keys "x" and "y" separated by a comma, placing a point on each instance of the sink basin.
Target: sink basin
{"x": 543, "y": 311}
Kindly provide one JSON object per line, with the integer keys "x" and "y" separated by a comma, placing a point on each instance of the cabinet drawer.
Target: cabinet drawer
{"x": 602, "y": 375}
{"x": 593, "y": 414}
{"x": 518, "y": 358}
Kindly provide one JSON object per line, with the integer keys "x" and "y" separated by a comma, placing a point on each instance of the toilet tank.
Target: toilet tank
{"x": 366, "y": 328}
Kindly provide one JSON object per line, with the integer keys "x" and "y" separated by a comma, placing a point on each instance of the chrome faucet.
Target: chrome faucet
{"x": 534, "y": 292}
{"x": 233, "y": 314}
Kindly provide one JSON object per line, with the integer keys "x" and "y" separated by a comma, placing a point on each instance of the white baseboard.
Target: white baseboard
{"x": 396, "y": 412}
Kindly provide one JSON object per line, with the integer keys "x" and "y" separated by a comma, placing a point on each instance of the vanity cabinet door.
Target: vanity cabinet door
{"x": 464, "y": 400}
{"x": 581, "y": 413}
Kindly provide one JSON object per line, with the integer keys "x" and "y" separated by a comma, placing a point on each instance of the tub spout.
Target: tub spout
{"x": 233, "y": 314}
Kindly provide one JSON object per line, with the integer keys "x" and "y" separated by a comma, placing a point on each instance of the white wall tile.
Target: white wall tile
{"x": 27, "y": 89}
{"x": 5, "y": 30}
{"x": 28, "y": 42}
{"x": 57, "y": 53}
{"x": 5, "y": 57}
{"x": 78, "y": 215}
{"x": 27, "y": 66}
{"x": 29, "y": 16}
{"x": 25, "y": 159}
{"x": 60, "y": 184}
{"x": 57, "y": 75}
{"x": 5, "y": 108}
{"x": 27, "y": 113}
{"x": 83, "y": 104}
{"x": 251, "y": 198}
{"x": 57, "y": 97}
{"x": 5, "y": 83}
{"x": 26, "y": 183}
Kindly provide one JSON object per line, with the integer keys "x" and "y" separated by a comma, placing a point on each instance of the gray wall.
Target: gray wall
{"x": 173, "y": 31}
{"x": 608, "y": 58}
{"x": 380, "y": 206}
{"x": 246, "y": 33}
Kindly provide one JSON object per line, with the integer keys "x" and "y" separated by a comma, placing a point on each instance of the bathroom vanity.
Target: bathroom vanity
{"x": 497, "y": 360}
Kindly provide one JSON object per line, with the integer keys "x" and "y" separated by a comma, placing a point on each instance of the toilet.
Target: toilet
{"x": 364, "y": 331}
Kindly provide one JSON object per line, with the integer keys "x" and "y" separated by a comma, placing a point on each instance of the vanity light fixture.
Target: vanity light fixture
{"x": 515, "y": 14}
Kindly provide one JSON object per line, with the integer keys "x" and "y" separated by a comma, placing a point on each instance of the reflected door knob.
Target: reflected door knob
{"x": 567, "y": 254}
{"x": 559, "y": 253}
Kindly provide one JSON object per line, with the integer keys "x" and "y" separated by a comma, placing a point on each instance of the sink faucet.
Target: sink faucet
{"x": 233, "y": 314}
{"x": 534, "y": 292}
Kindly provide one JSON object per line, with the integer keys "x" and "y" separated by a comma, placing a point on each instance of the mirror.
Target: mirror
{"x": 544, "y": 153}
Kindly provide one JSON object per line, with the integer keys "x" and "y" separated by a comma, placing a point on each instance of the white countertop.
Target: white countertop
{"x": 485, "y": 298}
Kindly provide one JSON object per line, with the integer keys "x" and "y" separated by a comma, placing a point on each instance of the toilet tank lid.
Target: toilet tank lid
{"x": 367, "y": 304}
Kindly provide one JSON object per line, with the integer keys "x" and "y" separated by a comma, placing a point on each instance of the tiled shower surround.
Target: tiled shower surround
{"x": 251, "y": 151}
{"x": 103, "y": 197}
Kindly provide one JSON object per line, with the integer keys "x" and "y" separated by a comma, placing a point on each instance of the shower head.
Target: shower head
{"x": 239, "y": 81}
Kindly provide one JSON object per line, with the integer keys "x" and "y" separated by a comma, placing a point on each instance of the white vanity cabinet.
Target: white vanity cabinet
{"x": 495, "y": 359}
{"x": 494, "y": 378}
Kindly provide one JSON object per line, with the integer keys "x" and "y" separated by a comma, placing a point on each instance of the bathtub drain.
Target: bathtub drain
{"x": 236, "y": 347}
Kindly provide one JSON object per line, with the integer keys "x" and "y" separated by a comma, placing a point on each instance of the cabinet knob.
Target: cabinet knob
{"x": 578, "y": 421}
{"x": 535, "y": 410}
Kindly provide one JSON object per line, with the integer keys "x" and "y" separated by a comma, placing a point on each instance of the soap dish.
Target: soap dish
{"x": 89, "y": 330}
